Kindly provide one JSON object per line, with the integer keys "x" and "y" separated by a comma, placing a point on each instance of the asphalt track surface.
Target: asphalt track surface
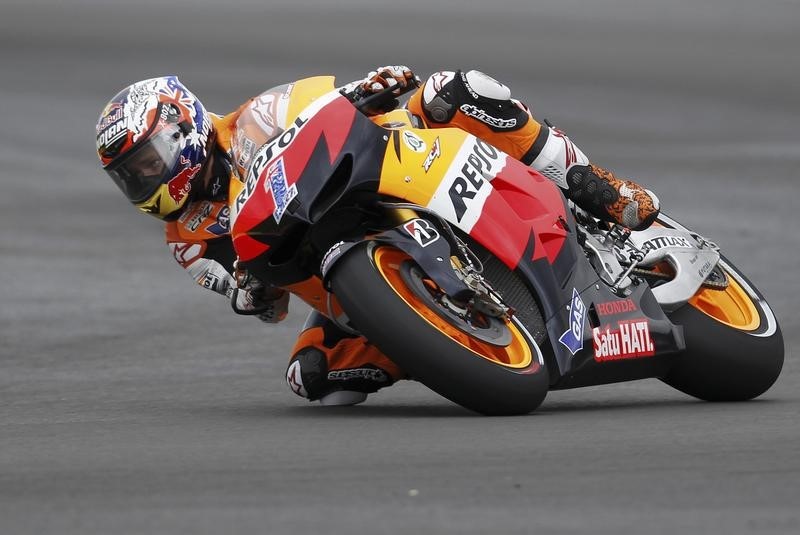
{"x": 133, "y": 402}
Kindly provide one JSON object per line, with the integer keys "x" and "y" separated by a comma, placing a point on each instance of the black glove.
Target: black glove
{"x": 252, "y": 297}
{"x": 270, "y": 307}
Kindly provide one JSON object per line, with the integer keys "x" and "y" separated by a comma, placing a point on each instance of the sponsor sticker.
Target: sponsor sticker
{"x": 481, "y": 115}
{"x": 211, "y": 275}
{"x": 370, "y": 374}
{"x": 264, "y": 154}
{"x": 661, "y": 242}
{"x": 199, "y": 216}
{"x": 572, "y": 339}
{"x": 413, "y": 141}
{"x": 332, "y": 254}
{"x": 248, "y": 146}
{"x": 210, "y": 281}
{"x": 706, "y": 268}
{"x": 422, "y": 231}
{"x": 278, "y": 186}
{"x": 480, "y": 163}
{"x": 435, "y": 152}
{"x": 463, "y": 191}
{"x": 111, "y": 134}
{"x": 630, "y": 340}
{"x": 222, "y": 225}
{"x": 613, "y": 308}
{"x": 181, "y": 184}
{"x": 111, "y": 114}
{"x": 271, "y": 151}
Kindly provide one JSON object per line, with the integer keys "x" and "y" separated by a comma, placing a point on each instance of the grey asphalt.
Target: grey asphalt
{"x": 133, "y": 402}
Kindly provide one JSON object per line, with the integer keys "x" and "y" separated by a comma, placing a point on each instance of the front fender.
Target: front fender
{"x": 421, "y": 241}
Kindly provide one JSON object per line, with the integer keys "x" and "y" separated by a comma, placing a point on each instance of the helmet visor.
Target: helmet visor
{"x": 140, "y": 173}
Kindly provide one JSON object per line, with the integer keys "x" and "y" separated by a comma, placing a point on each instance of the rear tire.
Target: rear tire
{"x": 734, "y": 346}
{"x": 496, "y": 371}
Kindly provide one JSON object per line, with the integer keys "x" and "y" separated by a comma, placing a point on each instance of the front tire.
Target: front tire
{"x": 734, "y": 346}
{"x": 498, "y": 370}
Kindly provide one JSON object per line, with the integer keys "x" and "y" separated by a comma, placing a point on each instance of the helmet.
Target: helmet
{"x": 153, "y": 140}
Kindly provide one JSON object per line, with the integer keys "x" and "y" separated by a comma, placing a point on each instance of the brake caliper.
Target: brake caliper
{"x": 486, "y": 301}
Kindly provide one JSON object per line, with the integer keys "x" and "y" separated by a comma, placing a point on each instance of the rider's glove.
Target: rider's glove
{"x": 254, "y": 298}
{"x": 269, "y": 308}
{"x": 389, "y": 76}
{"x": 397, "y": 76}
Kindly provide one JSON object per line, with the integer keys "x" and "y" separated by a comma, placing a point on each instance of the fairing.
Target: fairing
{"x": 334, "y": 150}
{"x": 330, "y": 151}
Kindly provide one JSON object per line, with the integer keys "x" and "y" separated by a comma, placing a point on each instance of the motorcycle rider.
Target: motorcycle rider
{"x": 174, "y": 160}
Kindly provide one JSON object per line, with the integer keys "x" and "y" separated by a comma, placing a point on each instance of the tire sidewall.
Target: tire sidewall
{"x": 424, "y": 352}
{"x": 722, "y": 363}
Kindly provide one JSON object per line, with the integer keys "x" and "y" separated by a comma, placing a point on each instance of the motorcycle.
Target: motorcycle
{"x": 476, "y": 275}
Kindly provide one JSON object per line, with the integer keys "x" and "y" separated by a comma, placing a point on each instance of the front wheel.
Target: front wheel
{"x": 489, "y": 365}
{"x": 734, "y": 347}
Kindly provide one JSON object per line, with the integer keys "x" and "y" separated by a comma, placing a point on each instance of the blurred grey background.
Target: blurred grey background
{"x": 133, "y": 402}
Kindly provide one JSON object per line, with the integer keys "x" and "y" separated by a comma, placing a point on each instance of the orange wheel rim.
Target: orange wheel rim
{"x": 731, "y": 306}
{"x": 517, "y": 354}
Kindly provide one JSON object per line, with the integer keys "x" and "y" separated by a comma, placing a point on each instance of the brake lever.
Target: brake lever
{"x": 384, "y": 94}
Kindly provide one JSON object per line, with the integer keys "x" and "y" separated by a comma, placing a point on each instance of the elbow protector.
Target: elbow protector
{"x": 472, "y": 95}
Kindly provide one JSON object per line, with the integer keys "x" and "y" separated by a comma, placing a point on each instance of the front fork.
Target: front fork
{"x": 466, "y": 266}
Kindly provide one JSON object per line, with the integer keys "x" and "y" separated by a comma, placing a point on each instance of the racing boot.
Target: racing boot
{"x": 594, "y": 189}
{"x": 608, "y": 198}
{"x": 337, "y": 368}
{"x": 483, "y": 107}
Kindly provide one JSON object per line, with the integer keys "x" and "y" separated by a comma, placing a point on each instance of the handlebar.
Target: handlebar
{"x": 383, "y": 96}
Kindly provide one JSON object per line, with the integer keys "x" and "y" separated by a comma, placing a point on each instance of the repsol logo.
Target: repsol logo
{"x": 482, "y": 162}
{"x": 263, "y": 156}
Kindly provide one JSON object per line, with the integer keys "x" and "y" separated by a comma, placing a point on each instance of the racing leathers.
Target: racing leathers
{"x": 328, "y": 364}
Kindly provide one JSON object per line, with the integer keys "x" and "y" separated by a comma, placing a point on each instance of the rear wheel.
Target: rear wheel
{"x": 487, "y": 364}
{"x": 734, "y": 344}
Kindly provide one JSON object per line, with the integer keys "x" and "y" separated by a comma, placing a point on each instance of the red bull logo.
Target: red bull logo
{"x": 180, "y": 186}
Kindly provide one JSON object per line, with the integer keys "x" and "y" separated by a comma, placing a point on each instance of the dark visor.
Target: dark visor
{"x": 148, "y": 166}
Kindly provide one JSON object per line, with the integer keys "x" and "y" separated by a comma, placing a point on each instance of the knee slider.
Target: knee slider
{"x": 307, "y": 373}
{"x": 309, "y": 376}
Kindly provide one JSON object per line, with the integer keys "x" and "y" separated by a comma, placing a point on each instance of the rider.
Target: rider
{"x": 174, "y": 160}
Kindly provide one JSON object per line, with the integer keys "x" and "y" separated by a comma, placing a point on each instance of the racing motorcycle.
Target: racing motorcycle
{"x": 473, "y": 272}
